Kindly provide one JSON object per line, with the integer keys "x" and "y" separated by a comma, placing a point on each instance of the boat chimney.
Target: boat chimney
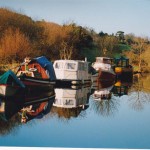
{"x": 85, "y": 59}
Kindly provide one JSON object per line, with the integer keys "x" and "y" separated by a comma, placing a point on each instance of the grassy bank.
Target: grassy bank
{"x": 6, "y": 67}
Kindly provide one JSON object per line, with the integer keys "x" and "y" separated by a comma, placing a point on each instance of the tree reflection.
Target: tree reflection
{"x": 10, "y": 126}
{"x": 66, "y": 114}
{"x": 140, "y": 92}
{"x": 105, "y": 107}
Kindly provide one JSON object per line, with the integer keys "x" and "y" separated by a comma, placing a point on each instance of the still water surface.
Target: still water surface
{"x": 121, "y": 122}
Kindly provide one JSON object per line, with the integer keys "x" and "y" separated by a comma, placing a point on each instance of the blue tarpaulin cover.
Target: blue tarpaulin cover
{"x": 45, "y": 63}
{"x": 5, "y": 78}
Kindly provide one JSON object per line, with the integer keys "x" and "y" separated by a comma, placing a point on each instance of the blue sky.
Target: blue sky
{"x": 130, "y": 16}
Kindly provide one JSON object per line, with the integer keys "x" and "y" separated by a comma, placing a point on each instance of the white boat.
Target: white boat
{"x": 72, "y": 71}
{"x": 72, "y": 98}
{"x": 103, "y": 66}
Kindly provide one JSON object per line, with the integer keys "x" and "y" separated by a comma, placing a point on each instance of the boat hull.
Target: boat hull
{"x": 37, "y": 85}
{"x": 104, "y": 75}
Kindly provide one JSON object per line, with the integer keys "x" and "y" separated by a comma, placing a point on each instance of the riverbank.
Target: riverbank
{"x": 6, "y": 67}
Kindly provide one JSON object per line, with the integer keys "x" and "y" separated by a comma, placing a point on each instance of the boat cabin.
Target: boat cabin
{"x": 104, "y": 63}
{"x": 121, "y": 61}
{"x": 71, "y": 69}
{"x": 38, "y": 67}
{"x": 105, "y": 60}
{"x": 122, "y": 66}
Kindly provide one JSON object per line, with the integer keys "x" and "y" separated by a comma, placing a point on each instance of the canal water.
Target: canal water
{"x": 121, "y": 120}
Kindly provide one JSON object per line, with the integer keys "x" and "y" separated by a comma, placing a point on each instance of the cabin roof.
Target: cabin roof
{"x": 103, "y": 58}
{"x": 121, "y": 58}
{"x": 66, "y": 60}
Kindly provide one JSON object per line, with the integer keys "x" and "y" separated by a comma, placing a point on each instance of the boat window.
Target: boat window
{"x": 98, "y": 60}
{"x": 118, "y": 63}
{"x": 124, "y": 63}
{"x": 85, "y": 67}
{"x": 59, "y": 65}
{"x": 107, "y": 61}
{"x": 70, "y": 66}
{"x": 104, "y": 60}
{"x": 2, "y": 107}
{"x": 81, "y": 66}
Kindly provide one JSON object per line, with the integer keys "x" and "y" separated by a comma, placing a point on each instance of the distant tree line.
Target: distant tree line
{"x": 20, "y": 36}
{"x": 139, "y": 52}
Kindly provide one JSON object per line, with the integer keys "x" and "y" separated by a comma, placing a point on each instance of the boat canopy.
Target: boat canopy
{"x": 47, "y": 65}
{"x": 9, "y": 77}
{"x": 121, "y": 61}
{"x": 121, "y": 58}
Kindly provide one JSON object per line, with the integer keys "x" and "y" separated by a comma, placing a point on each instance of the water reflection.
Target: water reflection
{"x": 70, "y": 102}
{"x": 9, "y": 108}
{"x": 103, "y": 101}
{"x": 9, "y": 118}
{"x": 103, "y": 93}
{"x": 36, "y": 110}
{"x": 140, "y": 92}
{"x": 121, "y": 88}
{"x": 12, "y": 112}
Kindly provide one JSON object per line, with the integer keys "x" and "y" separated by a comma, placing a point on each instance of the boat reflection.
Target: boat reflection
{"x": 103, "y": 102}
{"x": 70, "y": 102}
{"x": 37, "y": 97}
{"x": 121, "y": 88}
{"x": 8, "y": 108}
{"x": 11, "y": 114}
{"x": 102, "y": 91}
{"x": 36, "y": 108}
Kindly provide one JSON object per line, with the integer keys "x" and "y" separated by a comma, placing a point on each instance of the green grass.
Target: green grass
{"x": 124, "y": 47}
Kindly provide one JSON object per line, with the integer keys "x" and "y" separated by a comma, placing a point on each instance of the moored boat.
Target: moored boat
{"x": 37, "y": 74}
{"x": 103, "y": 66}
{"x": 72, "y": 72}
{"x": 122, "y": 68}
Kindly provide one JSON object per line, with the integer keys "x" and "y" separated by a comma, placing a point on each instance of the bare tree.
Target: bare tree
{"x": 66, "y": 51}
{"x": 138, "y": 48}
{"x": 106, "y": 44}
